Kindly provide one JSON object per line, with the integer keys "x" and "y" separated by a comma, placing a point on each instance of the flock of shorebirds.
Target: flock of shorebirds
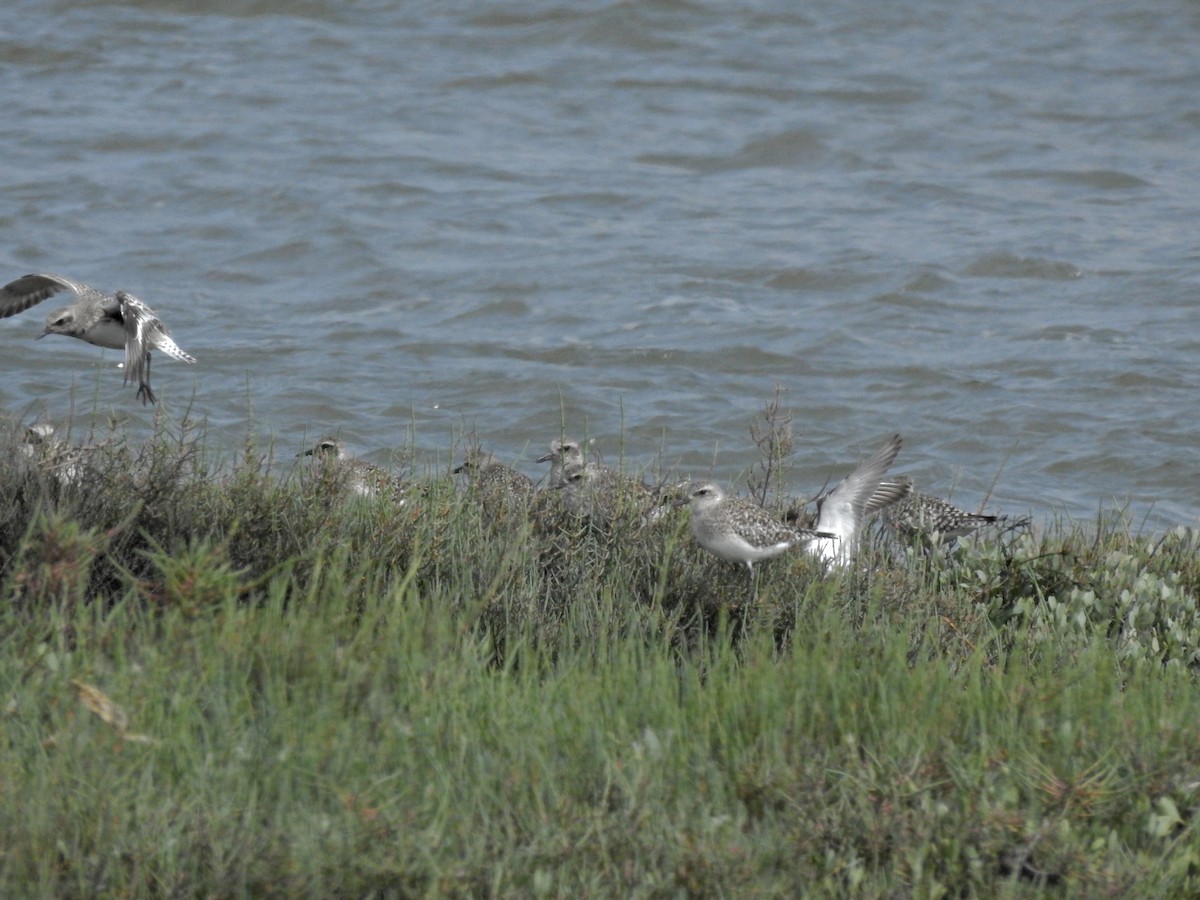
{"x": 727, "y": 526}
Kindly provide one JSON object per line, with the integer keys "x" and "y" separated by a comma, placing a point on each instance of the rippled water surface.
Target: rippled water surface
{"x": 974, "y": 224}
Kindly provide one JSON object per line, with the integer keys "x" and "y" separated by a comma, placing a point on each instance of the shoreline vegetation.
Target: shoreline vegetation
{"x": 217, "y": 679}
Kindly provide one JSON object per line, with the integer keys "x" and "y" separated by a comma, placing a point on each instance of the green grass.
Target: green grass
{"x": 323, "y": 697}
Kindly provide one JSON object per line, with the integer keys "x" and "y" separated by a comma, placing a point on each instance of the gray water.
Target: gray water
{"x": 974, "y": 224}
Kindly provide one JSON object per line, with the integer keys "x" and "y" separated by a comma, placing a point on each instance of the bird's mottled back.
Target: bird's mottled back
{"x": 501, "y": 490}
{"x": 925, "y": 517}
{"x": 362, "y": 478}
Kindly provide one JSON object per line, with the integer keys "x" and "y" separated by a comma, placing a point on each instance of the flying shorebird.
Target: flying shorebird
{"x": 119, "y": 322}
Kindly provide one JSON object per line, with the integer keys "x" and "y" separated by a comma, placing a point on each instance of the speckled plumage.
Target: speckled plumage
{"x": 363, "y": 478}
{"x": 598, "y": 493}
{"x": 118, "y": 322}
{"x": 46, "y": 454}
{"x": 500, "y": 489}
{"x": 923, "y": 516}
{"x": 737, "y": 530}
{"x": 565, "y": 453}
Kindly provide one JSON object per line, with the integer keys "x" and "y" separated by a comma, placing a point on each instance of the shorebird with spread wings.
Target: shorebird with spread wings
{"x": 117, "y": 321}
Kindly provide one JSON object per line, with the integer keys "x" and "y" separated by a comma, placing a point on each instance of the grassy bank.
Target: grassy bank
{"x": 221, "y": 680}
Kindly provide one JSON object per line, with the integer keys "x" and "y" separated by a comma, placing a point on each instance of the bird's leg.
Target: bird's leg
{"x": 753, "y": 585}
{"x": 144, "y": 393}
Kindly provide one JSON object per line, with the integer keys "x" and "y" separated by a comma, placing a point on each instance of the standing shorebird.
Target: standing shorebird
{"x": 500, "y": 489}
{"x": 363, "y": 478}
{"x": 840, "y": 512}
{"x": 119, "y": 322}
{"x": 933, "y": 520}
{"x": 601, "y": 494}
{"x": 740, "y": 531}
{"x": 42, "y": 453}
{"x": 565, "y": 454}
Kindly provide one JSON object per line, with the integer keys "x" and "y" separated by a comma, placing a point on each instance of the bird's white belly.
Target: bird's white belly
{"x": 106, "y": 333}
{"x": 737, "y": 549}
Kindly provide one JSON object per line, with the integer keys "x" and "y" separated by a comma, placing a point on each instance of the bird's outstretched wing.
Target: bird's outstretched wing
{"x": 28, "y": 290}
{"x": 841, "y": 510}
{"x": 143, "y": 331}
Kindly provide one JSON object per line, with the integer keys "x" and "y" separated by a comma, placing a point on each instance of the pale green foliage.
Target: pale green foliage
{"x": 290, "y": 692}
